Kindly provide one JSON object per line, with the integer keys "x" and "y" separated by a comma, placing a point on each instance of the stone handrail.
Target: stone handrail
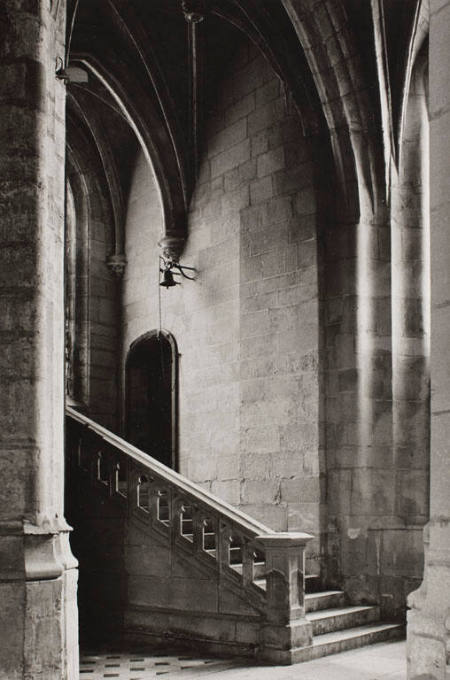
{"x": 268, "y": 566}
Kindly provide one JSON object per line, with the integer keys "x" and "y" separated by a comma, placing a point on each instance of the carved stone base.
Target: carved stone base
{"x": 428, "y": 631}
{"x": 280, "y": 642}
{"x": 38, "y": 613}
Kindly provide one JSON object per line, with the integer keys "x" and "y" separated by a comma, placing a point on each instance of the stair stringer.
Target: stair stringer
{"x": 182, "y": 595}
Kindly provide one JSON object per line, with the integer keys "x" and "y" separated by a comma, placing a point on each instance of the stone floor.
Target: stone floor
{"x": 383, "y": 661}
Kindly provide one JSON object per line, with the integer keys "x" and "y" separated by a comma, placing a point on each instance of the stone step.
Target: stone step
{"x": 327, "y": 599}
{"x": 350, "y": 638}
{"x": 261, "y": 582}
{"x": 259, "y": 569}
{"x": 339, "y": 618}
{"x": 312, "y": 583}
{"x": 313, "y": 600}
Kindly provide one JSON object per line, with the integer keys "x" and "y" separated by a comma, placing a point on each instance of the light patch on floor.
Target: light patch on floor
{"x": 383, "y": 661}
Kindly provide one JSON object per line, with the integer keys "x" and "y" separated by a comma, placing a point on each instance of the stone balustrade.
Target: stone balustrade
{"x": 248, "y": 575}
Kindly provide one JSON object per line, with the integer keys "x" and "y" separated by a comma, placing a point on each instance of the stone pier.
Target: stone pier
{"x": 429, "y": 616}
{"x": 38, "y": 574}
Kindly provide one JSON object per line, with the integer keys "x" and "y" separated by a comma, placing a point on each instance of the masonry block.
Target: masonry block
{"x": 305, "y": 490}
{"x": 232, "y": 134}
{"x": 240, "y": 109}
{"x": 270, "y": 162}
{"x": 261, "y": 190}
{"x": 230, "y": 158}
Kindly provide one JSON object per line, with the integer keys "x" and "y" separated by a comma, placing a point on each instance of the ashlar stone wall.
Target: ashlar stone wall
{"x": 247, "y": 329}
{"x": 300, "y": 400}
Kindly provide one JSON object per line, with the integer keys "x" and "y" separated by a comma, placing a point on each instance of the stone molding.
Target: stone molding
{"x": 193, "y": 10}
{"x": 172, "y": 247}
{"x": 42, "y": 550}
{"x": 116, "y": 264}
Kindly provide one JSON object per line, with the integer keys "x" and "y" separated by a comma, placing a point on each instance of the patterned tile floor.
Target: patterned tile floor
{"x": 144, "y": 666}
{"x": 383, "y": 661}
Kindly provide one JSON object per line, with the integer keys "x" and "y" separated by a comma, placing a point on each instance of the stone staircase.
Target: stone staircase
{"x": 177, "y": 565}
{"x": 338, "y": 626}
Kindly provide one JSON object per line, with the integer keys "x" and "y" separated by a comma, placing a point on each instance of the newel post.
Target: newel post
{"x": 286, "y": 628}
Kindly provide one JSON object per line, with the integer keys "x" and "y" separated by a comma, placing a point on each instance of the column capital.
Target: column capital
{"x": 194, "y": 10}
{"x": 172, "y": 245}
{"x": 117, "y": 263}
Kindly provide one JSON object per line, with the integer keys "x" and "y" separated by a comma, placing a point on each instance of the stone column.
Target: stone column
{"x": 410, "y": 347}
{"x": 286, "y": 628}
{"x": 38, "y": 616}
{"x": 429, "y": 617}
{"x": 360, "y": 481}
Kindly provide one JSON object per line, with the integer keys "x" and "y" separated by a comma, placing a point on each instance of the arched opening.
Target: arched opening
{"x": 151, "y": 396}
{"x": 76, "y": 290}
{"x": 70, "y": 266}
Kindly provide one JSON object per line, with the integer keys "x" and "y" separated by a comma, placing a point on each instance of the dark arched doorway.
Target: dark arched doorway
{"x": 151, "y": 396}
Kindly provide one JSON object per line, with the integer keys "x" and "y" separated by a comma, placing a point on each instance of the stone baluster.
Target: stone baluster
{"x": 176, "y": 510}
{"x": 247, "y": 563}
{"x": 134, "y": 490}
{"x": 92, "y": 446}
{"x": 198, "y": 524}
{"x": 224, "y": 539}
{"x": 154, "y": 501}
{"x": 111, "y": 473}
{"x": 286, "y": 626}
